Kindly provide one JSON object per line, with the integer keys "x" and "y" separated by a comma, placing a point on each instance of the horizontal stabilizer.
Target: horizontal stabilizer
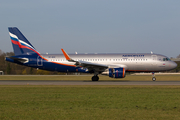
{"x": 22, "y": 60}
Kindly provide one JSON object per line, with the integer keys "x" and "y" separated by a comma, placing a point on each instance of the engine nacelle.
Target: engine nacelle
{"x": 117, "y": 72}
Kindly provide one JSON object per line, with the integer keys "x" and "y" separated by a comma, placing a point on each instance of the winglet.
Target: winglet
{"x": 66, "y": 55}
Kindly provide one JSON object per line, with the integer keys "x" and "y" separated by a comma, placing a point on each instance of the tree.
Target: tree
{"x": 1, "y": 52}
{"x": 178, "y": 56}
{"x": 8, "y": 68}
{"x": 31, "y": 71}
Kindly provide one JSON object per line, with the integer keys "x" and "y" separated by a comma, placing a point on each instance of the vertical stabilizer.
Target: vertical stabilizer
{"x": 19, "y": 42}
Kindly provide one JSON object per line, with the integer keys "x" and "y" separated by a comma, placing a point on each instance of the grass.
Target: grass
{"x": 90, "y": 102}
{"x": 88, "y": 77}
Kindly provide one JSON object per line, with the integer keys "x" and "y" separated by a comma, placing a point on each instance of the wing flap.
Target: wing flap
{"x": 85, "y": 63}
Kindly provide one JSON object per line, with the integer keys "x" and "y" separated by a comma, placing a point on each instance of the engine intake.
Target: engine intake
{"x": 117, "y": 72}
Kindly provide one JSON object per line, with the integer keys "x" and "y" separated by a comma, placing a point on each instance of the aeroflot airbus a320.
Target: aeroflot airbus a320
{"x": 113, "y": 65}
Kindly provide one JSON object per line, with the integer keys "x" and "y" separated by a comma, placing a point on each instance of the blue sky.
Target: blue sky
{"x": 94, "y": 26}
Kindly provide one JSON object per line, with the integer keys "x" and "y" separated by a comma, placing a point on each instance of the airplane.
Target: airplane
{"x": 114, "y": 65}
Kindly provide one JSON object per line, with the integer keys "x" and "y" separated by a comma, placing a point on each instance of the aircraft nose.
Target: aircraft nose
{"x": 174, "y": 65}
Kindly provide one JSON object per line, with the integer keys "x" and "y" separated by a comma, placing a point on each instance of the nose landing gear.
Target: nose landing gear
{"x": 153, "y": 77}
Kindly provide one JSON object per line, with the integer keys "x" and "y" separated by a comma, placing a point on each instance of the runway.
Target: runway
{"x": 57, "y": 82}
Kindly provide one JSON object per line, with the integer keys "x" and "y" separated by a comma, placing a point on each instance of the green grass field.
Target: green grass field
{"x": 90, "y": 102}
{"x": 88, "y": 77}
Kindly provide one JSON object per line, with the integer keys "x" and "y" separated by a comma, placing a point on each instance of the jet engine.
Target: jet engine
{"x": 117, "y": 72}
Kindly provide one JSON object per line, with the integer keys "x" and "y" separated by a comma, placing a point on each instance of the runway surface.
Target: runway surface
{"x": 57, "y": 82}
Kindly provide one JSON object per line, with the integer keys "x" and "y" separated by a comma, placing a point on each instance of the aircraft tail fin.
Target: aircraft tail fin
{"x": 19, "y": 42}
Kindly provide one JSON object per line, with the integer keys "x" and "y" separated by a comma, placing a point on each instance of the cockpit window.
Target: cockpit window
{"x": 166, "y": 59}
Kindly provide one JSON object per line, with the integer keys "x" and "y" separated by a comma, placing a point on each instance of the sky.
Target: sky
{"x": 94, "y": 26}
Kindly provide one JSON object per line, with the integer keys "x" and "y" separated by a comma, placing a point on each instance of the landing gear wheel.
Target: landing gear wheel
{"x": 95, "y": 78}
{"x": 153, "y": 79}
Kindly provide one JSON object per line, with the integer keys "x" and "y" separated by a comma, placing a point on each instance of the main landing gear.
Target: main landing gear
{"x": 153, "y": 77}
{"x": 95, "y": 78}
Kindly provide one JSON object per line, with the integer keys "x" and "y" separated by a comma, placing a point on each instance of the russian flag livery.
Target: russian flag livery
{"x": 20, "y": 44}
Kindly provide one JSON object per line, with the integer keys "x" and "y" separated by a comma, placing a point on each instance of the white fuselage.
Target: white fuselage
{"x": 131, "y": 62}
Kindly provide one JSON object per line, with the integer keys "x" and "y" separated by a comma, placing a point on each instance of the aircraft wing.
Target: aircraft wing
{"x": 90, "y": 66}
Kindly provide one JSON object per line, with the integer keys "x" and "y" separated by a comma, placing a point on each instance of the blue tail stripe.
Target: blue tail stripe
{"x": 13, "y": 38}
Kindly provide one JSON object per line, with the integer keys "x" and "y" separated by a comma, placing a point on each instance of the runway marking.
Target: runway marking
{"x": 58, "y": 82}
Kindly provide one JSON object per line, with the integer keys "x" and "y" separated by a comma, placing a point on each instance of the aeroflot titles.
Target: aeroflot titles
{"x": 122, "y": 55}
{"x": 133, "y": 55}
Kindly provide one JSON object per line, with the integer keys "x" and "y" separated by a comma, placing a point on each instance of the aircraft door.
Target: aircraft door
{"x": 39, "y": 61}
{"x": 154, "y": 59}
